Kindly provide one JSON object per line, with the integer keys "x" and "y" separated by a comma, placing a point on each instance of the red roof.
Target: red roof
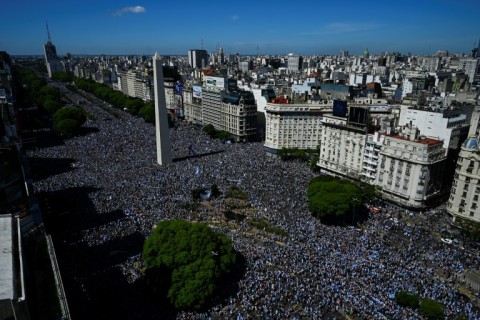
{"x": 423, "y": 140}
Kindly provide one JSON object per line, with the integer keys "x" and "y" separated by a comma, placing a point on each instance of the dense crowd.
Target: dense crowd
{"x": 317, "y": 269}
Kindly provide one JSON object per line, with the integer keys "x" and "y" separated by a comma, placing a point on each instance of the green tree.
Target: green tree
{"x": 329, "y": 197}
{"x": 431, "y": 309}
{"x": 65, "y": 127}
{"x": 133, "y": 105}
{"x": 63, "y": 76}
{"x": 196, "y": 257}
{"x": 51, "y": 105}
{"x": 210, "y": 130}
{"x": 67, "y": 120}
{"x": 313, "y": 164}
{"x": 50, "y": 91}
{"x": 470, "y": 228}
{"x": 406, "y": 299}
{"x": 147, "y": 112}
{"x": 223, "y": 135}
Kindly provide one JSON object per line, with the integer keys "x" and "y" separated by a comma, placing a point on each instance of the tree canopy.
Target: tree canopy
{"x": 431, "y": 309}
{"x": 406, "y": 299}
{"x": 329, "y": 196}
{"x": 196, "y": 257}
{"x": 216, "y": 134}
{"x": 67, "y": 120}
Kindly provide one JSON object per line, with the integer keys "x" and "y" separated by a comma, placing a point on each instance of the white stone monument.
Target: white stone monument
{"x": 164, "y": 152}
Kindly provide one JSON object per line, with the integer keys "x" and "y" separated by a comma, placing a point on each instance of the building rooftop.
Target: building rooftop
{"x": 6, "y": 258}
{"x": 422, "y": 139}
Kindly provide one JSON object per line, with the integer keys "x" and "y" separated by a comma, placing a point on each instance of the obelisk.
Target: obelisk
{"x": 164, "y": 152}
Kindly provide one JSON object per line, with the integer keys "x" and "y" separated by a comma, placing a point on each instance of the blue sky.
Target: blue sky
{"x": 274, "y": 27}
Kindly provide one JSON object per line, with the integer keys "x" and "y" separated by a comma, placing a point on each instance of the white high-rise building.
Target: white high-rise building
{"x": 293, "y": 125}
{"x": 164, "y": 151}
{"x": 446, "y": 124}
{"x": 471, "y": 67}
{"x": 341, "y": 148}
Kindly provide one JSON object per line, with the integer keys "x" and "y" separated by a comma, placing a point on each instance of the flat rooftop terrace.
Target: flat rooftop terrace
{"x": 6, "y": 258}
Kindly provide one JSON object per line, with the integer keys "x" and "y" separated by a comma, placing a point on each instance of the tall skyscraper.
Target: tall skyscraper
{"x": 164, "y": 152}
{"x": 51, "y": 58}
{"x": 198, "y": 58}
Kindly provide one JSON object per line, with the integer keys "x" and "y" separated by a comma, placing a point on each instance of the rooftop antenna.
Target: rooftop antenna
{"x": 48, "y": 32}
{"x": 202, "y": 43}
{"x": 257, "y": 50}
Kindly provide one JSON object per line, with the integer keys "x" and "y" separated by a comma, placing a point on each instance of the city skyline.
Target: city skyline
{"x": 124, "y": 27}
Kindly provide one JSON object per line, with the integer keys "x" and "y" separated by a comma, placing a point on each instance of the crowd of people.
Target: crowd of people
{"x": 314, "y": 271}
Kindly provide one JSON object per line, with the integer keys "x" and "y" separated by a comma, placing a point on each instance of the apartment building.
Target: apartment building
{"x": 411, "y": 168}
{"x": 234, "y": 112}
{"x": 465, "y": 192}
{"x": 373, "y": 147}
{"x": 293, "y": 125}
{"x": 443, "y": 123}
{"x": 192, "y": 104}
{"x": 341, "y": 147}
{"x": 471, "y": 67}
{"x": 135, "y": 84}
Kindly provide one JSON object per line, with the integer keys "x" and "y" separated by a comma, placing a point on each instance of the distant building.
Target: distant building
{"x": 51, "y": 59}
{"x": 472, "y": 69}
{"x": 295, "y": 63}
{"x": 417, "y": 84}
{"x": 431, "y": 64}
{"x": 330, "y": 91}
{"x": 136, "y": 84}
{"x": 245, "y": 66}
{"x": 307, "y": 89}
{"x": 198, "y": 58}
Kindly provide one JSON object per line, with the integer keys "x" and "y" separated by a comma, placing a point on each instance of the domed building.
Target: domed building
{"x": 366, "y": 54}
{"x": 465, "y": 192}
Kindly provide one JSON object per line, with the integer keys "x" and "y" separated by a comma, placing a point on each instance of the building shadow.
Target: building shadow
{"x": 70, "y": 210}
{"x": 41, "y": 139}
{"x": 43, "y": 168}
{"x": 199, "y": 155}
{"x": 83, "y": 131}
{"x": 96, "y": 286}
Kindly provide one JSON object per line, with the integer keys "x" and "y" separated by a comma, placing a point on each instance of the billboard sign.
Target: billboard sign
{"x": 179, "y": 88}
{"x": 217, "y": 82}
{"x": 339, "y": 108}
{"x": 197, "y": 92}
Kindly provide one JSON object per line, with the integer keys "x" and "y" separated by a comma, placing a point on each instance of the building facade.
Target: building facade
{"x": 341, "y": 148}
{"x": 293, "y": 126}
{"x": 410, "y": 170}
{"x": 465, "y": 192}
{"x": 234, "y": 112}
{"x": 447, "y": 124}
